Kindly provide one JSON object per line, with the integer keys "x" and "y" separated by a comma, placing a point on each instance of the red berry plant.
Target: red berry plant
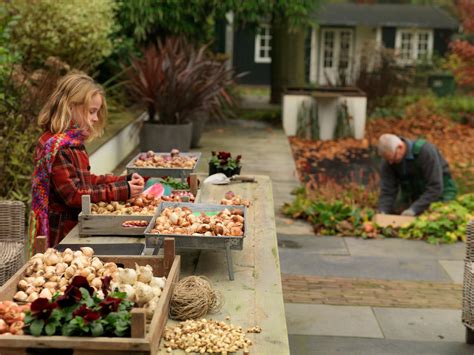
{"x": 462, "y": 58}
{"x": 225, "y": 161}
{"x": 81, "y": 312}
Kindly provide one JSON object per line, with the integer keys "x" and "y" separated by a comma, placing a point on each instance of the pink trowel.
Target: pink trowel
{"x": 157, "y": 190}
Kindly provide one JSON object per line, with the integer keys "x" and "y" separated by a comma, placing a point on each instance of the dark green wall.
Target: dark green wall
{"x": 307, "y": 55}
{"x": 441, "y": 41}
{"x": 244, "y": 59}
{"x": 388, "y": 37}
{"x": 219, "y": 40}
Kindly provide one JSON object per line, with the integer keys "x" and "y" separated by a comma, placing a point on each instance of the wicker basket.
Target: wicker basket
{"x": 468, "y": 295}
{"x": 468, "y": 284}
{"x": 470, "y": 241}
{"x": 12, "y": 238}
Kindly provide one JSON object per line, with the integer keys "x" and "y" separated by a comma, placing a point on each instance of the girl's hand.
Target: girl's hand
{"x": 137, "y": 179}
{"x": 135, "y": 189}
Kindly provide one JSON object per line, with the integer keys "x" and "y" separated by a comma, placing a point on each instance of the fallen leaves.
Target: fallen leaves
{"x": 454, "y": 140}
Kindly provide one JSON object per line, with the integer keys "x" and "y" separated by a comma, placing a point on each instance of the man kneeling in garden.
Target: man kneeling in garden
{"x": 413, "y": 175}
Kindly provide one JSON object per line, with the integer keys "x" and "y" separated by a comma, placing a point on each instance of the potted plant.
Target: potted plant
{"x": 222, "y": 162}
{"x": 177, "y": 83}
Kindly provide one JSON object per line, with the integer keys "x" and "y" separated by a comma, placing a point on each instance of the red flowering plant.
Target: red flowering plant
{"x": 225, "y": 161}
{"x": 80, "y": 312}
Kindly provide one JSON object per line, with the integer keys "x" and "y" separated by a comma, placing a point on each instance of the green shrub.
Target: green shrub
{"x": 459, "y": 108}
{"x": 147, "y": 20}
{"x": 73, "y": 30}
{"x": 443, "y": 222}
{"x": 24, "y": 93}
{"x": 331, "y": 215}
{"x": 18, "y": 138}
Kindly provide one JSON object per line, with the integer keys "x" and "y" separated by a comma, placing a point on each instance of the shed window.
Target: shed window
{"x": 414, "y": 45}
{"x": 263, "y": 46}
{"x": 328, "y": 49}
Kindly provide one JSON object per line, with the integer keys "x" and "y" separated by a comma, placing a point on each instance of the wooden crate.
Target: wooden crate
{"x": 96, "y": 224}
{"x": 141, "y": 341}
{"x": 385, "y": 220}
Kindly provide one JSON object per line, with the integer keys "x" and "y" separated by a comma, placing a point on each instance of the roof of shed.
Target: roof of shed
{"x": 388, "y": 15}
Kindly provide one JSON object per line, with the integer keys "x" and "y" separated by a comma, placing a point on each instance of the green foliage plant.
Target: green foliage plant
{"x": 335, "y": 208}
{"x": 443, "y": 222}
{"x": 174, "y": 183}
{"x": 75, "y": 31}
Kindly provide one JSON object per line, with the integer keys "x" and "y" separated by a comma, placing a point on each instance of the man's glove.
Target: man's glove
{"x": 408, "y": 212}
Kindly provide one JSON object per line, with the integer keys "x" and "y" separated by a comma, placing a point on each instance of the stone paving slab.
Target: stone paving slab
{"x": 312, "y": 319}
{"x": 362, "y": 267}
{"x": 292, "y": 227}
{"x": 370, "y": 292}
{"x": 309, "y": 244}
{"x": 402, "y": 248}
{"x": 439, "y": 325}
{"x": 330, "y": 345}
{"x": 455, "y": 269}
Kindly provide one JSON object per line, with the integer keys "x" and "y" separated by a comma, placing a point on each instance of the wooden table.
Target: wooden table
{"x": 255, "y": 296}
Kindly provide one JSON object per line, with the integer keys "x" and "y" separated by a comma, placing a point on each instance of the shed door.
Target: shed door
{"x": 335, "y": 56}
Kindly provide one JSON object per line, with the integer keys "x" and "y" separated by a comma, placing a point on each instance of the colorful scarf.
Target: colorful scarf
{"x": 39, "y": 221}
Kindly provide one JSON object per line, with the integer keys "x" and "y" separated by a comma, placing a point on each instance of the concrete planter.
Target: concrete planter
{"x": 163, "y": 138}
{"x": 328, "y": 101}
{"x": 199, "y": 124}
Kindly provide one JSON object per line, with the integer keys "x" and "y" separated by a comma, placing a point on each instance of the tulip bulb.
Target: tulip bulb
{"x": 20, "y": 296}
{"x": 22, "y": 285}
{"x": 46, "y": 293}
{"x": 145, "y": 273}
{"x": 87, "y": 251}
{"x": 32, "y": 297}
{"x": 39, "y": 281}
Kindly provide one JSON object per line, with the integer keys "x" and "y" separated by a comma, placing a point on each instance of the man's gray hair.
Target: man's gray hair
{"x": 388, "y": 143}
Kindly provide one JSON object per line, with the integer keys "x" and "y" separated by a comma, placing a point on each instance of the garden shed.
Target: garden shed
{"x": 343, "y": 33}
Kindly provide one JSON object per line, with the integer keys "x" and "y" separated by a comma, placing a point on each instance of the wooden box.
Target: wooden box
{"x": 385, "y": 220}
{"x": 96, "y": 224}
{"x": 145, "y": 338}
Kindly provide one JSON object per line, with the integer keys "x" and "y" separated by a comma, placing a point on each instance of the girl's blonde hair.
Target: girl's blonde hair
{"x": 73, "y": 89}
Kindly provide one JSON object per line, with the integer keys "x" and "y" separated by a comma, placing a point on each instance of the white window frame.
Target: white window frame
{"x": 263, "y": 35}
{"x": 414, "y": 44}
{"x": 335, "y": 51}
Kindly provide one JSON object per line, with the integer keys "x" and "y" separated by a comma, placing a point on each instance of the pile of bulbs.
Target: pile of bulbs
{"x": 12, "y": 318}
{"x": 179, "y": 196}
{"x": 206, "y": 336}
{"x": 182, "y": 221}
{"x": 140, "y": 286}
{"x": 231, "y": 199}
{"x": 151, "y": 159}
{"x": 145, "y": 204}
{"x": 51, "y": 273}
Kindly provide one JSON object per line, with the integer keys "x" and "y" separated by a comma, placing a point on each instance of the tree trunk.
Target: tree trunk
{"x": 288, "y": 51}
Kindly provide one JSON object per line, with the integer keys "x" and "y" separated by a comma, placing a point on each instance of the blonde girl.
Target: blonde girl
{"x": 75, "y": 112}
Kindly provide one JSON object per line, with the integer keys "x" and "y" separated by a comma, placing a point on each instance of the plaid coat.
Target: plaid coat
{"x": 70, "y": 179}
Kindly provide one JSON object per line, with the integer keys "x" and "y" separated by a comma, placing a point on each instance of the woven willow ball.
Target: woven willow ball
{"x": 193, "y": 297}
